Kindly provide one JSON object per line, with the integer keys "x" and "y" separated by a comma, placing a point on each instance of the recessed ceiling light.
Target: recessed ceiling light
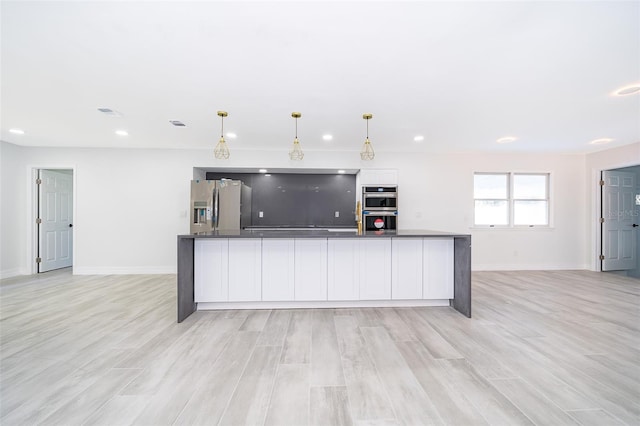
{"x": 231, "y": 135}
{"x": 16, "y": 131}
{"x": 506, "y": 139}
{"x": 628, "y": 90}
{"x": 601, "y": 141}
{"x": 122, "y": 133}
{"x": 419, "y": 138}
{"x": 341, "y": 172}
{"x": 327, "y": 137}
{"x": 177, "y": 123}
{"x": 263, "y": 170}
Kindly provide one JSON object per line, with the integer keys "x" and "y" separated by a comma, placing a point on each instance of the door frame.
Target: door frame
{"x": 596, "y": 209}
{"x": 32, "y": 208}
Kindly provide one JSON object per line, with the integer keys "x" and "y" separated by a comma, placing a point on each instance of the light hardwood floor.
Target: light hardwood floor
{"x": 546, "y": 348}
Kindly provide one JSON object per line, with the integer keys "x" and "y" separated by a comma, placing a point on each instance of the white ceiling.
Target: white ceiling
{"x": 462, "y": 74}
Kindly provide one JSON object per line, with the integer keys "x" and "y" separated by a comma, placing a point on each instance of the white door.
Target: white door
{"x": 375, "y": 269}
{"x": 310, "y": 276}
{"x": 55, "y": 214}
{"x": 278, "y": 270}
{"x": 245, "y": 274}
{"x": 343, "y": 266}
{"x": 406, "y": 268}
{"x": 620, "y": 223}
{"x": 437, "y": 264}
{"x": 211, "y": 270}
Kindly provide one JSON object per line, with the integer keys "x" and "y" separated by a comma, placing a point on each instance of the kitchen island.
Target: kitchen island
{"x": 266, "y": 269}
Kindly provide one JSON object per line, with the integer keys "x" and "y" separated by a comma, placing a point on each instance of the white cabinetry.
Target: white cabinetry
{"x": 378, "y": 177}
{"x": 406, "y": 265}
{"x": 359, "y": 269}
{"x": 278, "y": 270}
{"x": 211, "y": 261}
{"x": 245, "y": 274}
{"x": 310, "y": 269}
{"x": 375, "y": 269}
{"x": 437, "y": 273}
{"x": 344, "y": 269}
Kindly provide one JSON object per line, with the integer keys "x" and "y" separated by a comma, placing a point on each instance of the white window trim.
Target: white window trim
{"x": 510, "y": 200}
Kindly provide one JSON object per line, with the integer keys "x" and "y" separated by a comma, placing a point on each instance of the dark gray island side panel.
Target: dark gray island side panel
{"x": 461, "y": 301}
{"x": 186, "y": 304}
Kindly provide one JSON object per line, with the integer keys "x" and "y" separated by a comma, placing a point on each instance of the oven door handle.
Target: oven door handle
{"x": 380, "y": 213}
{"x": 379, "y": 209}
{"x": 380, "y": 195}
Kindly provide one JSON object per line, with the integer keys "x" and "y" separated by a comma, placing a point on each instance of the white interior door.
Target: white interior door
{"x": 55, "y": 211}
{"x": 618, "y": 212}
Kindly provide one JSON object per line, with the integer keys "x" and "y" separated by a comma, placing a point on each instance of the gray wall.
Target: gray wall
{"x": 299, "y": 199}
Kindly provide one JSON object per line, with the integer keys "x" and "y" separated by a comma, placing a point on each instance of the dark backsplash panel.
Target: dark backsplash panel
{"x": 299, "y": 199}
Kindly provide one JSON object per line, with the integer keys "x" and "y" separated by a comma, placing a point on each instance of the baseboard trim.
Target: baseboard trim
{"x": 124, "y": 270}
{"x": 208, "y": 306}
{"x": 525, "y": 267}
{"x": 9, "y": 273}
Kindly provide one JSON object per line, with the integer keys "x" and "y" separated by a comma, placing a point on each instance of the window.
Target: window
{"x": 491, "y": 193}
{"x": 511, "y": 199}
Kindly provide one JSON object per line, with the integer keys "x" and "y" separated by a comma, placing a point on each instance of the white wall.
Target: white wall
{"x": 624, "y": 156}
{"x": 131, "y": 204}
{"x": 437, "y": 193}
{"x": 12, "y": 217}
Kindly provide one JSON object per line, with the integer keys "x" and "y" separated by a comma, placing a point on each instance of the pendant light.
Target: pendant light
{"x": 221, "y": 151}
{"x": 367, "y": 150}
{"x": 296, "y": 152}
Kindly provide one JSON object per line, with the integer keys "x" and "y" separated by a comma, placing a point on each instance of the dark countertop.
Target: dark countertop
{"x": 320, "y": 233}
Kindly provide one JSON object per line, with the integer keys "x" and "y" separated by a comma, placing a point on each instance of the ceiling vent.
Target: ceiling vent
{"x": 109, "y": 111}
{"x": 177, "y": 123}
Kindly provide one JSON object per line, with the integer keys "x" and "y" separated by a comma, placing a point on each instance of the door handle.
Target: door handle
{"x": 635, "y": 225}
{"x": 71, "y": 225}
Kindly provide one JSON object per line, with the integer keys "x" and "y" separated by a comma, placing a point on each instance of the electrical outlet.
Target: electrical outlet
{"x": 337, "y": 214}
{"x": 260, "y": 214}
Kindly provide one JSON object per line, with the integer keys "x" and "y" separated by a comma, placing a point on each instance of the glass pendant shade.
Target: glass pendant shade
{"x": 296, "y": 153}
{"x": 367, "y": 152}
{"x": 221, "y": 151}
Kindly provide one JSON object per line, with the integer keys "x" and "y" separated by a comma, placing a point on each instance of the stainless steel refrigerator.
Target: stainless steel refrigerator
{"x": 219, "y": 205}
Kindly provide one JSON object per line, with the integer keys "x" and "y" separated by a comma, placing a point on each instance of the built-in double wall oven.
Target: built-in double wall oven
{"x": 380, "y": 207}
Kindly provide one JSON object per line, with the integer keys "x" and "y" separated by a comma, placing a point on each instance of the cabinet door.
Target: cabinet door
{"x": 367, "y": 177}
{"x": 343, "y": 269}
{"x": 310, "y": 269}
{"x": 378, "y": 177}
{"x": 277, "y": 270}
{"x": 245, "y": 273}
{"x": 438, "y": 268}
{"x": 387, "y": 177}
{"x": 375, "y": 269}
{"x": 210, "y": 266}
{"x": 406, "y": 268}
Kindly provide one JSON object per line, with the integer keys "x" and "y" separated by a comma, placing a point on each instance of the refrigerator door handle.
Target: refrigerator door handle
{"x": 215, "y": 207}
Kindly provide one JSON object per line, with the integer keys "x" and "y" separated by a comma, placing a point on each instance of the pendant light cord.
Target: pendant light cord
{"x": 222, "y": 128}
